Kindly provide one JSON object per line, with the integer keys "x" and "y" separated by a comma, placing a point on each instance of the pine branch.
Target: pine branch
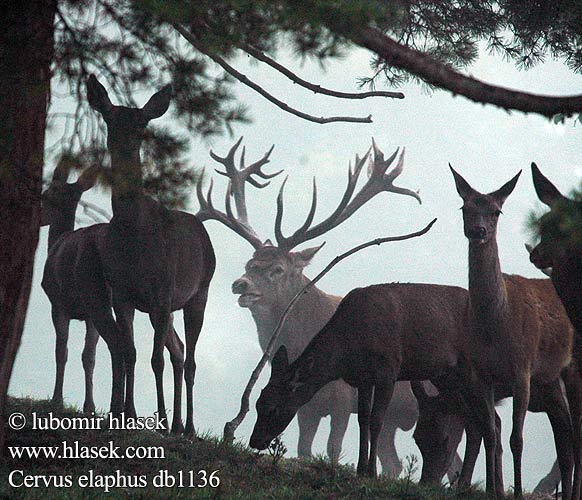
{"x": 244, "y": 79}
{"x": 440, "y": 75}
{"x": 231, "y": 427}
{"x": 317, "y": 89}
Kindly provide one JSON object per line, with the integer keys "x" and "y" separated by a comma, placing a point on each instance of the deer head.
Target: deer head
{"x": 437, "y": 433}
{"x": 555, "y": 242}
{"x": 126, "y": 126}
{"x": 481, "y": 211}
{"x": 278, "y": 402}
{"x": 60, "y": 199}
{"x": 275, "y": 272}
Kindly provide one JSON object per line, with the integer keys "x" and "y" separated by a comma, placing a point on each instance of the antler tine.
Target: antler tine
{"x": 305, "y": 233}
{"x": 228, "y": 160}
{"x": 378, "y": 181}
{"x": 208, "y": 212}
{"x": 281, "y": 240}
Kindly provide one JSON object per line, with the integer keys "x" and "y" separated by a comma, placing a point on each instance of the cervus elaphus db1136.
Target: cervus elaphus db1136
{"x": 518, "y": 332}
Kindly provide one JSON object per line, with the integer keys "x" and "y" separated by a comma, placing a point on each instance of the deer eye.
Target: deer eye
{"x": 277, "y": 271}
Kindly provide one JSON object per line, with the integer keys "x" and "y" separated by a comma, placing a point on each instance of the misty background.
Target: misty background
{"x": 485, "y": 144}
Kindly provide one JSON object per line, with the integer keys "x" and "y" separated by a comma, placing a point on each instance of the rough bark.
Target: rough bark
{"x": 26, "y": 50}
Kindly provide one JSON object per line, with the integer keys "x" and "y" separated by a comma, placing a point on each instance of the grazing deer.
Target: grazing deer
{"x": 275, "y": 274}
{"x": 156, "y": 260}
{"x": 440, "y": 426}
{"x": 74, "y": 283}
{"x": 378, "y": 335}
{"x": 518, "y": 332}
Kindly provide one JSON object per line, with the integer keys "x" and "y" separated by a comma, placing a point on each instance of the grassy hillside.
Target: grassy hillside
{"x": 242, "y": 474}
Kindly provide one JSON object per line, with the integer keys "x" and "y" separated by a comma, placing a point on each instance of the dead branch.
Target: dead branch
{"x": 317, "y": 89}
{"x": 231, "y": 427}
{"x": 244, "y": 79}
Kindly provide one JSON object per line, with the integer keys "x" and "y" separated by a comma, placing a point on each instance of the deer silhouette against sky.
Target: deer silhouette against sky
{"x": 156, "y": 260}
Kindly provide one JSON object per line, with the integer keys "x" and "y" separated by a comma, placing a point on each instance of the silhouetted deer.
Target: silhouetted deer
{"x": 156, "y": 260}
{"x": 74, "y": 282}
{"x": 275, "y": 274}
{"x": 519, "y": 333}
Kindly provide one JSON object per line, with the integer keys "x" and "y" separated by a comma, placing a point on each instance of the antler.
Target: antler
{"x": 378, "y": 181}
{"x": 238, "y": 177}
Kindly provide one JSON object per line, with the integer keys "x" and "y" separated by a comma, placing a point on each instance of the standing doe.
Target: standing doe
{"x": 517, "y": 334}
{"x": 156, "y": 260}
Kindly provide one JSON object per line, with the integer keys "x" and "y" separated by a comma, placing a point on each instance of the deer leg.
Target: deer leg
{"x": 499, "y": 484}
{"x": 88, "y": 358}
{"x": 193, "y": 319}
{"x": 124, "y": 314}
{"x": 61, "y": 324}
{"x": 176, "y": 348}
{"x": 308, "y": 423}
{"x": 338, "y": 426}
{"x": 391, "y": 465}
{"x": 364, "y": 406}
{"x": 162, "y": 322}
{"x": 382, "y": 395}
{"x": 550, "y": 399}
{"x": 107, "y": 328}
{"x": 573, "y": 384}
{"x": 480, "y": 400}
{"x": 521, "y": 392}
{"x": 471, "y": 453}
{"x": 454, "y": 470}
{"x": 550, "y": 482}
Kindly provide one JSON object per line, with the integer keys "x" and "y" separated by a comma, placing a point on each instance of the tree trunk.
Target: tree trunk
{"x": 26, "y": 51}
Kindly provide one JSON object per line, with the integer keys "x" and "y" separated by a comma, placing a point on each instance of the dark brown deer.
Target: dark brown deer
{"x": 378, "y": 335}
{"x": 275, "y": 274}
{"x": 156, "y": 260}
{"x": 74, "y": 283}
{"x": 561, "y": 250}
{"x": 517, "y": 334}
{"x": 440, "y": 426}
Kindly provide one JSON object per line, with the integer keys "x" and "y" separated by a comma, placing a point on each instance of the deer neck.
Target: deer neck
{"x": 127, "y": 182}
{"x": 305, "y": 319}
{"x": 486, "y": 285}
{"x": 65, "y": 224}
{"x": 319, "y": 365}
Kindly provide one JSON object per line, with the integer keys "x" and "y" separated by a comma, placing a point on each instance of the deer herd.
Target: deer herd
{"x": 396, "y": 354}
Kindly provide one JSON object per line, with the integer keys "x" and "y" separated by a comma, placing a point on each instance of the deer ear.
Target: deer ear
{"x": 158, "y": 103}
{"x": 546, "y": 191}
{"x": 504, "y": 191}
{"x": 463, "y": 187}
{"x": 280, "y": 363}
{"x": 304, "y": 257}
{"x": 97, "y": 96}
{"x": 88, "y": 178}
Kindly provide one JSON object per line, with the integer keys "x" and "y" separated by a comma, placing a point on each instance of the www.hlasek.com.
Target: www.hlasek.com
{"x": 74, "y": 450}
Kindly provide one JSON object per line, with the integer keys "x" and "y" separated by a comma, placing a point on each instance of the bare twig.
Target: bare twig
{"x": 90, "y": 206}
{"x": 231, "y": 427}
{"x": 244, "y": 79}
{"x": 317, "y": 89}
{"x": 440, "y": 75}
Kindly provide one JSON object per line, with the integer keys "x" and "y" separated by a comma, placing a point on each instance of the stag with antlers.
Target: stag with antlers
{"x": 275, "y": 274}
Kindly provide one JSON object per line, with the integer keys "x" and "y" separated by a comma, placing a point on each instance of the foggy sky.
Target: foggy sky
{"x": 486, "y": 145}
